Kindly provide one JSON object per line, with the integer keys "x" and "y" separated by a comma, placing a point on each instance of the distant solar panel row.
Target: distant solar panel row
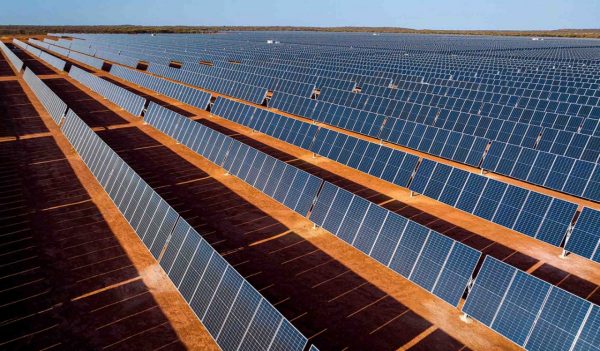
{"x": 534, "y": 214}
{"x": 530, "y": 312}
{"x": 388, "y": 164}
{"x": 53, "y": 46}
{"x": 419, "y": 105}
{"x": 433, "y": 261}
{"x": 127, "y": 100}
{"x": 235, "y": 314}
{"x": 448, "y": 144}
{"x": 14, "y": 59}
{"x": 51, "y": 102}
{"x": 48, "y": 45}
{"x": 287, "y": 129}
{"x": 236, "y": 89}
{"x": 115, "y": 57}
{"x": 190, "y": 96}
{"x": 298, "y": 84}
{"x": 85, "y": 59}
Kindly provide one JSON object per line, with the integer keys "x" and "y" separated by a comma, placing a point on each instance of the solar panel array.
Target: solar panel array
{"x": 530, "y": 312}
{"x": 462, "y": 109}
{"x": 127, "y": 100}
{"x": 528, "y": 110}
{"x": 16, "y": 61}
{"x": 437, "y": 263}
{"x": 339, "y": 146}
{"x": 233, "y": 312}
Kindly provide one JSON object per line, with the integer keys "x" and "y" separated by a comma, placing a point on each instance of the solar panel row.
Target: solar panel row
{"x": 47, "y": 44}
{"x": 530, "y": 312}
{"x": 287, "y": 129}
{"x": 185, "y": 94}
{"x": 123, "y": 98}
{"x": 233, "y": 312}
{"x": 534, "y": 214}
{"x": 51, "y": 60}
{"x": 433, "y": 261}
{"x": 51, "y": 102}
{"x": 51, "y": 45}
{"x": 14, "y": 59}
{"x": 562, "y": 173}
{"x": 288, "y": 185}
{"x": 388, "y": 164}
{"x": 223, "y": 86}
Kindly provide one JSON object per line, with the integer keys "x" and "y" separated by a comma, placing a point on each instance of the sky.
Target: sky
{"x": 418, "y": 14}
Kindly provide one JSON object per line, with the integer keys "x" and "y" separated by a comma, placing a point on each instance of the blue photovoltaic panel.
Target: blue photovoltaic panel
{"x": 534, "y": 214}
{"x": 429, "y": 259}
{"x": 532, "y": 313}
{"x": 589, "y": 339}
{"x": 585, "y": 237}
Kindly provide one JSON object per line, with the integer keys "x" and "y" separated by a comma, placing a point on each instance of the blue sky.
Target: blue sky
{"x": 438, "y": 14}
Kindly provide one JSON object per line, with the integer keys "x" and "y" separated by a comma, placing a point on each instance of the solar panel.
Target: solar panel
{"x": 534, "y": 214}
{"x": 14, "y": 59}
{"x": 528, "y": 311}
{"x": 51, "y": 102}
{"x": 129, "y": 101}
{"x": 584, "y": 240}
{"x": 435, "y": 262}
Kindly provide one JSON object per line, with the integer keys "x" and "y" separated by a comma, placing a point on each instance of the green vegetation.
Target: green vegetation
{"x": 131, "y": 29}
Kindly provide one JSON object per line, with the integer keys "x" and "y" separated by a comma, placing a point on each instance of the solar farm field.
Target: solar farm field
{"x": 300, "y": 191}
